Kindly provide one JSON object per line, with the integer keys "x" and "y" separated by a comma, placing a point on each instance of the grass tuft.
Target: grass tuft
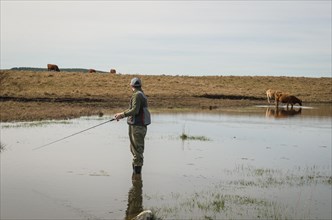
{"x": 184, "y": 137}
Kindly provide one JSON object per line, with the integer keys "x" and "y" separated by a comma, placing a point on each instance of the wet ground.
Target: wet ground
{"x": 255, "y": 163}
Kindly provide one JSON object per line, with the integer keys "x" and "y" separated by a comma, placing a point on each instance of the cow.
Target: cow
{"x": 289, "y": 99}
{"x": 113, "y": 71}
{"x": 53, "y": 67}
{"x": 271, "y": 94}
{"x": 92, "y": 70}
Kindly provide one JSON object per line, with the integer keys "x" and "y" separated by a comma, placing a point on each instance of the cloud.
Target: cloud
{"x": 195, "y": 37}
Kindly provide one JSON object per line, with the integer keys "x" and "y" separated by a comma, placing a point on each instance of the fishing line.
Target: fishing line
{"x": 45, "y": 145}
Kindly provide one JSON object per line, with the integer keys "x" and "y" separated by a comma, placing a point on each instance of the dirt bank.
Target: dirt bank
{"x": 27, "y": 95}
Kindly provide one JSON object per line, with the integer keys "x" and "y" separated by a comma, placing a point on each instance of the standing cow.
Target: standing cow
{"x": 288, "y": 99}
{"x": 113, "y": 71}
{"x": 53, "y": 67}
{"x": 272, "y": 94}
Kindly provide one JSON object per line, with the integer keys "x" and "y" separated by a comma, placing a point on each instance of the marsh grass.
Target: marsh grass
{"x": 185, "y": 137}
{"x": 264, "y": 178}
{"x": 234, "y": 198}
{"x": 34, "y": 124}
{"x": 216, "y": 205}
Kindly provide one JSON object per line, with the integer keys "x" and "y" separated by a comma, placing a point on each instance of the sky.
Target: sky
{"x": 277, "y": 38}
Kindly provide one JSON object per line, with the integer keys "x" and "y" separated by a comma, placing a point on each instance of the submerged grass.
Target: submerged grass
{"x": 33, "y": 124}
{"x": 264, "y": 178}
{"x": 243, "y": 196}
{"x": 216, "y": 205}
{"x": 184, "y": 137}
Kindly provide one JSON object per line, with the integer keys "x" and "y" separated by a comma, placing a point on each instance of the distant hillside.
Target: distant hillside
{"x": 30, "y": 95}
{"x": 35, "y": 69}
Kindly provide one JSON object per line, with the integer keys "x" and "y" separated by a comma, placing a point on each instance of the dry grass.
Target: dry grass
{"x": 27, "y": 95}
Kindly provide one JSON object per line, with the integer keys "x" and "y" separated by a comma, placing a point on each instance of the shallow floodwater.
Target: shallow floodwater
{"x": 259, "y": 163}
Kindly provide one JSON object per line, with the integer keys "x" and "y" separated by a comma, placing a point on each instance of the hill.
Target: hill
{"x": 34, "y": 95}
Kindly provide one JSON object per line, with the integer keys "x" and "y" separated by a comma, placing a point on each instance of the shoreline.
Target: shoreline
{"x": 35, "y": 111}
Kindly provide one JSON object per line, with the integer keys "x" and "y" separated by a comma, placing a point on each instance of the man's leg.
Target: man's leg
{"x": 137, "y": 136}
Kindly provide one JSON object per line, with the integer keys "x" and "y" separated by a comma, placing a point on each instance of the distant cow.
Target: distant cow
{"x": 113, "y": 71}
{"x": 289, "y": 99}
{"x": 92, "y": 70}
{"x": 53, "y": 67}
{"x": 271, "y": 94}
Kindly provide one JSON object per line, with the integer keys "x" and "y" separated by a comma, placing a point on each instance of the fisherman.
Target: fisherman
{"x": 138, "y": 117}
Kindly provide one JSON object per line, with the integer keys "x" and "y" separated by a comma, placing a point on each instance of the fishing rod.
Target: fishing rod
{"x": 45, "y": 145}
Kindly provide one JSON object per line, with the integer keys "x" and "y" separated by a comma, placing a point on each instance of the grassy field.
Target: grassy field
{"x": 28, "y": 95}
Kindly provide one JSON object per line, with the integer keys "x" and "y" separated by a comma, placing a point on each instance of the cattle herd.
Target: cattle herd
{"x": 54, "y": 67}
{"x": 271, "y": 94}
{"x": 282, "y": 97}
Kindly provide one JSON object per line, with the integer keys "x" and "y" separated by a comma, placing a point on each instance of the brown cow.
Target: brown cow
{"x": 53, "y": 67}
{"x": 289, "y": 99}
{"x": 92, "y": 70}
{"x": 113, "y": 71}
{"x": 271, "y": 94}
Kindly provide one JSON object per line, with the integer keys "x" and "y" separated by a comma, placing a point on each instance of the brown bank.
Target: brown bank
{"x": 27, "y": 95}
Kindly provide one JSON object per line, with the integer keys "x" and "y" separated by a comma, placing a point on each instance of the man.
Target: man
{"x": 138, "y": 119}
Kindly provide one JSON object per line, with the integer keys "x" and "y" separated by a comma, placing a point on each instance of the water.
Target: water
{"x": 254, "y": 164}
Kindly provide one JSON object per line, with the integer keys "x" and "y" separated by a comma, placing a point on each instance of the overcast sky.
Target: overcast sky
{"x": 289, "y": 38}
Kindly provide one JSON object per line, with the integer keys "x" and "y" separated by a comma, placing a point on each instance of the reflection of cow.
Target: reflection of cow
{"x": 271, "y": 94}
{"x": 282, "y": 113}
{"x": 113, "y": 71}
{"x": 92, "y": 70}
{"x": 52, "y": 67}
{"x": 288, "y": 99}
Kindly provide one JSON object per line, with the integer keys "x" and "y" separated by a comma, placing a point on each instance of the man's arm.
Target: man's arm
{"x": 134, "y": 110}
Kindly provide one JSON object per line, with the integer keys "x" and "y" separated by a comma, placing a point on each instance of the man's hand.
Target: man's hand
{"x": 119, "y": 116}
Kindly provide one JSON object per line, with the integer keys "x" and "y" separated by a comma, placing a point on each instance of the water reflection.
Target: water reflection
{"x": 135, "y": 197}
{"x": 282, "y": 113}
{"x": 2, "y": 147}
